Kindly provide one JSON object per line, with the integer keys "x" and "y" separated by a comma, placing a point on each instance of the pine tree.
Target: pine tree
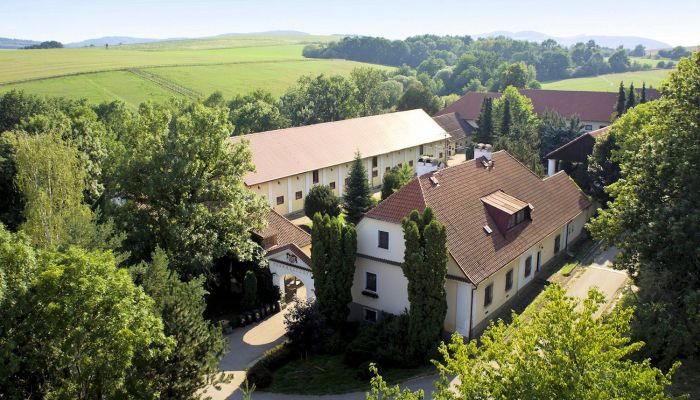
{"x": 506, "y": 120}
{"x": 631, "y": 97}
{"x": 356, "y": 200}
{"x": 643, "y": 98}
{"x": 620, "y": 108}
{"x": 425, "y": 268}
{"x": 484, "y": 132}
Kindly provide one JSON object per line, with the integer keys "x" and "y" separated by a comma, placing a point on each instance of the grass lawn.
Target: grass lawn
{"x": 324, "y": 374}
{"x": 610, "y": 82}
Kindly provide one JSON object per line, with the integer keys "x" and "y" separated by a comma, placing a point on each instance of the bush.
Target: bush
{"x": 385, "y": 342}
{"x": 259, "y": 375}
{"x": 250, "y": 289}
{"x": 306, "y": 327}
{"x": 363, "y": 371}
{"x": 321, "y": 199}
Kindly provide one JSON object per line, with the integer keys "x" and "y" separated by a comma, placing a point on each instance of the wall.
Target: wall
{"x": 368, "y": 239}
{"x": 595, "y": 125}
{"x": 391, "y": 286}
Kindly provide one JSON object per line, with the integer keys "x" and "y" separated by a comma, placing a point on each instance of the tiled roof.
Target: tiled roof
{"x": 504, "y": 202}
{"x": 456, "y": 200}
{"x": 455, "y": 125}
{"x": 281, "y": 232}
{"x": 579, "y": 148}
{"x": 590, "y": 106}
{"x": 285, "y": 152}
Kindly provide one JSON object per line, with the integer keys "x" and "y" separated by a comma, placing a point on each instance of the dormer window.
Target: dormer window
{"x": 506, "y": 211}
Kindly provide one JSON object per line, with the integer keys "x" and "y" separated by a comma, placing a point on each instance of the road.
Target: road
{"x": 599, "y": 274}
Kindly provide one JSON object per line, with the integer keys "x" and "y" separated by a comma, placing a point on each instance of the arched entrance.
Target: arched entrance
{"x": 291, "y": 273}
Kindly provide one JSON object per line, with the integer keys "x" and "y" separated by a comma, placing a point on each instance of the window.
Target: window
{"x": 298, "y": 195}
{"x": 387, "y": 169}
{"x": 602, "y": 126}
{"x": 370, "y": 315}
{"x": 280, "y": 200}
{"x": 588, "y": 127}
{"x": 332, "y": 185}
{"x": 374, "y": 162}
{"x": 488, "y": 295}
{"x": 383, "y": 240}
{"x": 410, "y": 163}
{"x": 509, "y": 280}
{"x": 528, "y": 266}
{"x": 371, "y": 282}
{"x": 315, "y": 176}
{"x": 420, "y": 151}
{"x": 375, "y": 174}
{"x": 557, "y": 244}
{"x": 516, "y": 218}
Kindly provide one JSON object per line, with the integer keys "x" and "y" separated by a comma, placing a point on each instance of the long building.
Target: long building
{"x": 289, "y": 162}
{"x": 594, "y": 108}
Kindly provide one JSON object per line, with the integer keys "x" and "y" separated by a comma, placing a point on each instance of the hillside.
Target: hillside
{"x": 605, "y": 41}
{"x": 7, "y": 43}
{"x": 159, "y": 70}
{"x": 610, "y": 82}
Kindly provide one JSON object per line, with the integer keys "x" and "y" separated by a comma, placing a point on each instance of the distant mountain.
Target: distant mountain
{"x": 7, "y": 43}
{"x": 113, "y": 41}
{"x": 606, "y": 41}
{"x": 266, "y": 33}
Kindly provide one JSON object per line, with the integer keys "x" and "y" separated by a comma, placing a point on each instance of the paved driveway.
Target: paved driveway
{"x": 599, "y": 274}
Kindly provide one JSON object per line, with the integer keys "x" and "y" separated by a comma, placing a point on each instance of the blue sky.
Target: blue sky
{"x": 671, "y": 21}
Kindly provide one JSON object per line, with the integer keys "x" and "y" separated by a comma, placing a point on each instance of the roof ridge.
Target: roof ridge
{"x": 290, "y": 222}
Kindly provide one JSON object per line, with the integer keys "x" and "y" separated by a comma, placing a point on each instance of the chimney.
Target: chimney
{"x": 482, "y": 150}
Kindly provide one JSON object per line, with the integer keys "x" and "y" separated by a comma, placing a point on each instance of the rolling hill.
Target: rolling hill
{"x": 610, "y": 82}
{"x": 605, "y": 41}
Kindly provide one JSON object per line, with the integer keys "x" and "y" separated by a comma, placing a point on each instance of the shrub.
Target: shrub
{"x": 250, "y": 289}
{"x": 385, "y": 342}
{"x": 259, "y": 375}
{"x": 321, "y": 199}
{"x": 306, "y": 327}
{"x": 363, "y": 372}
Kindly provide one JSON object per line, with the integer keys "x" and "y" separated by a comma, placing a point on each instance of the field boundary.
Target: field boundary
{"x": 166, "y": 83}
{"x": 142, "y": 67}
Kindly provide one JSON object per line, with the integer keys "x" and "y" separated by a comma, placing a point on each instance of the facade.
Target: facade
{"x": 503, "y": 224}
{"x": 576, "y": 151}
{"x": 461, "y": 131}
{"x": 290, "y": 161}
{"x": 594, "y": 108}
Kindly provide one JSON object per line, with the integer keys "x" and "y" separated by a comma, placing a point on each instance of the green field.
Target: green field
{"x": 610, "y": 82}
{"x": 156, "y": 71}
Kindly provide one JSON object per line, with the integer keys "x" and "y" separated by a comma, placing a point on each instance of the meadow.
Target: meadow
{"x": 610, "y": 82}
{"x": 156, "y": 71}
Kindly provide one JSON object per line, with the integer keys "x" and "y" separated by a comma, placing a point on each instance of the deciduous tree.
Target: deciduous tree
{"x": 321, "y": 199}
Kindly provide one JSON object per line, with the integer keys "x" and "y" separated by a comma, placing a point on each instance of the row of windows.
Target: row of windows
{"x": 488, "y": 291}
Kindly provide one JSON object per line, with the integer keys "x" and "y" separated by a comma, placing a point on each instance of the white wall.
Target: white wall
{"x": 392, "y": 286}
{"x": 368, "y": 239}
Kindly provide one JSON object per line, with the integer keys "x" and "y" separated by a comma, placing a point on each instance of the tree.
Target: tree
{"x": 425, "y": 268}
{"x": 485, "y": 130}
{"x": 193, "y": 362}
{"x": 519, "y": 128}
{"x": 250, "y": 290}
{"x": 256, "y": 112}
{"x": 418, "y": 96}
{"x": 505, "y": 118}
{"x": 395, "y": 179}
{"x": 373, "y": 96}
{"x": 51, "y": 180}
{"x": 602, "y": 169}
{"x": 620, "y": 107}
{"x": 82, "y": 330}
{"x": 356, "y": 200}
{"x": 215, "y": 99}
{"x": 333, "y": 249}
{"x": 561, "y": 351}
{"x": 556, "y": 131}
{"x": 654, "y": 214}
{"x": 180, "y": 187}
{"x": 515, "y": 74}
{"x": 631, "y": 98}
{"x": 638, "y": 51}
{"x": 643, "y": 97}
{"x": 320, "y": 99}
{"x": 619, "y": 61}
{"x": 321, "y": 199}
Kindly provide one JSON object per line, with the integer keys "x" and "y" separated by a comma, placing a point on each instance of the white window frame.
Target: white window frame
{"x": 364, "y": 314}
{"x": 376, "y": 282}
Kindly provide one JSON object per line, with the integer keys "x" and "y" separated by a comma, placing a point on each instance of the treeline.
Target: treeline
{"x": 458, "y": 64}
{"x": 52, "y": 44}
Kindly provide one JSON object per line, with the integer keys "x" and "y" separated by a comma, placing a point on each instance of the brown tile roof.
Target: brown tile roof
{"x": 285, "y": 152}
{"x": 455, "y": 125}
{"x": 579, "y": 148}
{"x": 504, "y": 202}
{"x": 456, "y": 200}
{"x": 281, "y": 232}
{"x": 590, "y": 106}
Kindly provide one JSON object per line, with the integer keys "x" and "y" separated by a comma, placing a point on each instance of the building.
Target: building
{"x": 503, "y": 224}
{"x": 461, "y": 131}
{"x": 594, "y": 108}
{"x": 290, "y": 161}
{"x": 576, "y": 151}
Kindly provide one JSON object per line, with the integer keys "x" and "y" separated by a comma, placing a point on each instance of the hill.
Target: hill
{"x": 7, "y": 43}
{"x": 606, "y": 41}
{"x": 191, "y": 68}
{"x": 112, "y": 41}
{"x": 610, "y": 82}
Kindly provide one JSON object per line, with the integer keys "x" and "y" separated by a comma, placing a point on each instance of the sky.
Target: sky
{"x": 671, "y": 21}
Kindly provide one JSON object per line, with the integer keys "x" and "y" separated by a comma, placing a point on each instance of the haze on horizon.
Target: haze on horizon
{"x": 674, "y": 22}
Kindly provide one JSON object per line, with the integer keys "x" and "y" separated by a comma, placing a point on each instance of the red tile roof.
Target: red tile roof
{"x": 286, "y": 152}
{"x": 455, "y": 125}
{"x": 579, "y": 148}
{"x": 281, "y": 232}
{"x": 590, "y": 106}
{"x": 456, "y": 200}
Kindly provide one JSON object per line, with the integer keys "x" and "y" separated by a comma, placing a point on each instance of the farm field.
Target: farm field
{"x": 156, "y": 71}
{"x": 610, "y": 82}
